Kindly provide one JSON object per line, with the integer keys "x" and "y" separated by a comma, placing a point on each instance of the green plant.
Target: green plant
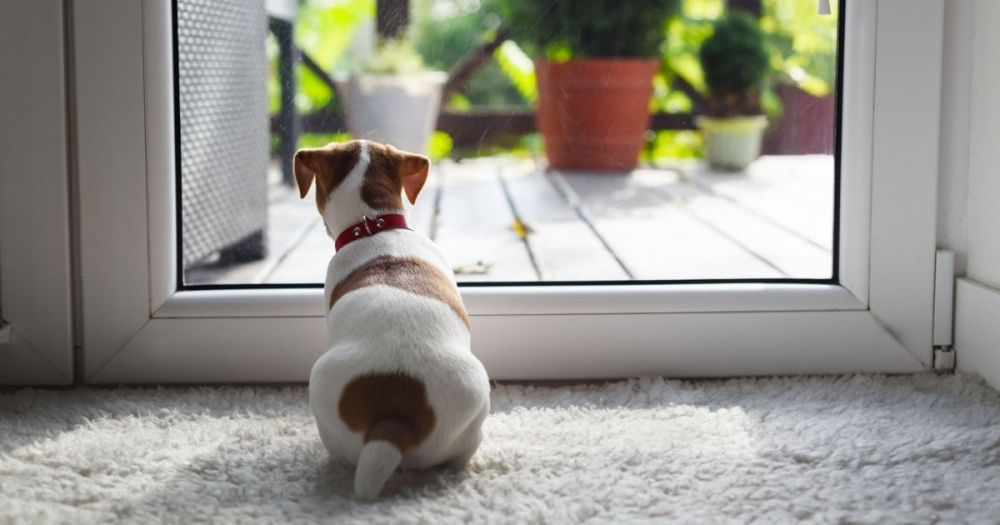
{"x": 563, "y": 29}
{"x": 324, "y": 30}
{"x": 393, "y": 56}
{"x": 518, "y": 68}
{"x": 444, "y": 33}
{"x": 735, "y": 63}
{"x": 803, "y": 44}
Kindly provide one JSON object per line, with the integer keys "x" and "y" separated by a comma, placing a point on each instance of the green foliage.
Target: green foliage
{"x": 323, "y": 29}
{"x": 734, "y": 59}
{"x": 801, "y": 48}
{"x": 674, "y": 144}
{"x": 318, "y": 140}
{"x": 560, "y": 29}
{"x": 444, "y": 31}
{"x": 685, "y": 34}
{"x": 518, "y": 68}
{"x": 440, "y": 146}
{"x": 396, "y": 56}
{"x": 803, "y": 44}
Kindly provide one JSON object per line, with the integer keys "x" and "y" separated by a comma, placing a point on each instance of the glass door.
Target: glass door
{"x": 555, "y": 200}
{"x": 584, "y": 246}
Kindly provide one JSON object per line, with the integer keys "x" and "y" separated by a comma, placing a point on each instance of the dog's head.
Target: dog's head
{"x": 358, "y": 178}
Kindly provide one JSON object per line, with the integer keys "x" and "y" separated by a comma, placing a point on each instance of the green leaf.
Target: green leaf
{"x": 516, "y": 65}
{"x": 439, "y": 146}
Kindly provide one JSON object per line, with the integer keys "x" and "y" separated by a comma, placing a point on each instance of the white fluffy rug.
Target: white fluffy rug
{"x": 862, "y": 449}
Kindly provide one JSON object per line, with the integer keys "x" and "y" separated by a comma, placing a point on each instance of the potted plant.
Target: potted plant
{"x": 390, "y": 97}
{"x": 594, "y": 69}
{"x": 735, "y": 63}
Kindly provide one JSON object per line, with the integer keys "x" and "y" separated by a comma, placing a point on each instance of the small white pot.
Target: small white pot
{"x": 401, "y": 110}
{"x": 732, "y": 143}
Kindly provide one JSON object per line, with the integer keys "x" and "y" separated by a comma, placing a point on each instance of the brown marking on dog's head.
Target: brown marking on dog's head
{"x": 388, "y": 407}
{"x": 391, "y": 172}
{"x": 406, "y": 273}
{"x": 329, "y": 165}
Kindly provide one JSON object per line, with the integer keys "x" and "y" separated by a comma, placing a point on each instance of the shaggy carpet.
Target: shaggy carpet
{"x": 859, "y": 449}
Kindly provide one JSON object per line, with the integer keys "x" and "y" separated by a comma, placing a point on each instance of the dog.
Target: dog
{"x": 399, "y": 385}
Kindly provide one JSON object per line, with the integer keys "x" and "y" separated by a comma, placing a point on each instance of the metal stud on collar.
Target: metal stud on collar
{"x": 379, "y": 223}
{"x": 357, "y": 231}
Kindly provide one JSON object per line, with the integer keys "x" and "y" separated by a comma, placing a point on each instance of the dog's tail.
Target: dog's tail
{"x": 392, "y": 412}
{"x": 385, "y": 443}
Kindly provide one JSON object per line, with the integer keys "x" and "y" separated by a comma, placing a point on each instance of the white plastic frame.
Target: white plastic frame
{"x": 139, "y": 328}
{"x": 35, "y": 284}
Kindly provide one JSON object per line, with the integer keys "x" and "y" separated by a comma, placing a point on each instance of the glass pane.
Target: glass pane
{"x": 570, "y": 140}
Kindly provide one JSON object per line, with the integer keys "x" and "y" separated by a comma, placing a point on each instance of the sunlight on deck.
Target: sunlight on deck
{"x": 505, "y": 219}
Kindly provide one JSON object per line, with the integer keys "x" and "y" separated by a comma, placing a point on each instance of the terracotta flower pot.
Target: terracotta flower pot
{"x": 593, "y": 113}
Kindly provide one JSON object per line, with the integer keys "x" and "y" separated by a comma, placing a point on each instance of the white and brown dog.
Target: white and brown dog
{"x": 399, "y": 385}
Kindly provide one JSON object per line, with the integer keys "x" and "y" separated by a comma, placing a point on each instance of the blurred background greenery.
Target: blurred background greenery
{"x": 802, "y": 49}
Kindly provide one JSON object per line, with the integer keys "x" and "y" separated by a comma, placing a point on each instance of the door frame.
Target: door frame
{"x": 35, "y": 261}
{"x": 138, "y": 328}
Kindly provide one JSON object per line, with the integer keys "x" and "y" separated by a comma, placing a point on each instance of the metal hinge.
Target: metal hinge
{"x": 944, "y": 311}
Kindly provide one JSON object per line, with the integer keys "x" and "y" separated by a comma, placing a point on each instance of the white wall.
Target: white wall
{"x": 984, "y": 146}
{"x": 969, "y": 189}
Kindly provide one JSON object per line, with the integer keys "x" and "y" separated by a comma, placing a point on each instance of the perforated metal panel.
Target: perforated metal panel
{"x": 224, "y": 123}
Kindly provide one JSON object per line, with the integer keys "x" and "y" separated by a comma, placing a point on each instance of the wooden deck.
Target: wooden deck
{"x": 503, "y": 219}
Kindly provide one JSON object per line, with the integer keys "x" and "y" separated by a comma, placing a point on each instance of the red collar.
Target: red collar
{"x": 370, "y": 226}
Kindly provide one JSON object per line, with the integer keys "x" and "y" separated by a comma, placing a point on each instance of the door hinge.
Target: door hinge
{"x": 944, "y": 359}
{"x": 944, "y": 311}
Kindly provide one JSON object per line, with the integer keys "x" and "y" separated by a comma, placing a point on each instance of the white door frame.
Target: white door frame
{"x": 139, "y": 328}
{"x": 35, "y": 284}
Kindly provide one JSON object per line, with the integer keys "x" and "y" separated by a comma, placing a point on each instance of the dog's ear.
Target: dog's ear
{"x": 329, "y": 166}
{"x": 305, "y": 169}
{"x": 413, "y": 170}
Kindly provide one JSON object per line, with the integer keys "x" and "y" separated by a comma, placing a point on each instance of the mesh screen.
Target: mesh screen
{"x": 224, "y": 123}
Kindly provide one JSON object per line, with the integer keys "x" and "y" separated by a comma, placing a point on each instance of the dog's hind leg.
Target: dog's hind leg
{"x": 471, "y": 439}
{"x": 461, "y": 461}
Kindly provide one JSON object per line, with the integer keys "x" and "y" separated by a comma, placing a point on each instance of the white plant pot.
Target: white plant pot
{"x": 732, "y": 143}
{"x": 401, "y": 110}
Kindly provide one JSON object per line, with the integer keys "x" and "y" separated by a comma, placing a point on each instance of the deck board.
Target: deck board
{"x": 563, "y": 245}
{"x": 307, "y": 261}
{"x": 656, "y": 238}
{"x": 787, "y": 252}
{"x": 771, "y": 198}
{"x": 678, "y": 222}
{"x": 475, "y": 225}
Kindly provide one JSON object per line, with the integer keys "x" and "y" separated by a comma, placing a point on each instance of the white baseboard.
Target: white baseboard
{"x": 977, "y": 330}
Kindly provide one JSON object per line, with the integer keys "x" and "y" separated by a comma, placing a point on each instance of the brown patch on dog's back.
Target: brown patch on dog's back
{"x": 388, "y": 407}
{"x": 382, "y": 188}
{"x": 406, "y": 273}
